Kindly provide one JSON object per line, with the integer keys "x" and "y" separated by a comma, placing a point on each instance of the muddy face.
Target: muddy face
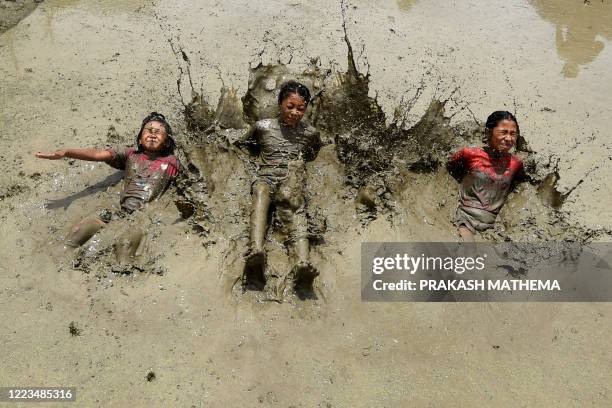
{"x": 153, "y": 137}
{"x": 503, "y": 136}
{"x": 292, "y": 109}
{"x": 261, "y": 99}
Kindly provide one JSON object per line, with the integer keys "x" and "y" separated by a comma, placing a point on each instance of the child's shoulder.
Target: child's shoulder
{"x": 516, "y": 161}
{"x": 470, "y": 151}
{"x": 120, "y": 156}
{"x": 473, "y": 149}
{"x": 266, "y": 124}
{"x": 122, "y": 150}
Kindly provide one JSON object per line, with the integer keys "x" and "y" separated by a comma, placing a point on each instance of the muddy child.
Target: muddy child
{"x": 487, "y": 175}
{"x": 149, "y": 169}
{"x": 283, "y": 145}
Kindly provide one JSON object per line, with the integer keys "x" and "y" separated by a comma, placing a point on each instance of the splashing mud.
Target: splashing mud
{"x": 368, "y": 166}
{"x": 376, "y": 179}
{"x": 393, "y": 170}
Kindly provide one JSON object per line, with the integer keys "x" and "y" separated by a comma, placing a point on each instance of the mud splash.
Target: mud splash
{"x": 393, "y": 170}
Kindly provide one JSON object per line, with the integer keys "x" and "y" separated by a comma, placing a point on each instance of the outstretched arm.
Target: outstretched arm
{"x": 80, "y": 154}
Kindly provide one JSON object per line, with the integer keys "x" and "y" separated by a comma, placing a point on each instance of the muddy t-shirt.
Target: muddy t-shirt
{"x": 145, "y": 179}
{"x": 279, "y": 144}
{"x": 487, "y": 177}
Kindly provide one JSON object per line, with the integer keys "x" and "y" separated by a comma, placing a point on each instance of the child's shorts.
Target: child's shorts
{"x": 474, "y": 219}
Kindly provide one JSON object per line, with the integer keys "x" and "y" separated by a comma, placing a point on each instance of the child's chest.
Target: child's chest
{"x": 496, "y": 170}
{"x": 139, "y": 165}
{"x": 284, "y": 141}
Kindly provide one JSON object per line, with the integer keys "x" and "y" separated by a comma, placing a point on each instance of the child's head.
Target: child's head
{"x": 501, "y": 131}
{"x": 293, "y": 100}
{"x": 155, "y": 135}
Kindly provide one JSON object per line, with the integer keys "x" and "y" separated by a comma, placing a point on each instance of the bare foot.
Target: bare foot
{"x": 253, "y": 277}
{"x": 304, "y": 275}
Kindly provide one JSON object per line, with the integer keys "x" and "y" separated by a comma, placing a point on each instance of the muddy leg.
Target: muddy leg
{"x": 259, "y": 215}
{"x": 255, "y": 263}
{"x": 304, "y": 272}
{"x": 302, "y": 249}
{"x": 82, "y": 231}
{"x": 127, "y": 244}
{"x": 465, "y": 234}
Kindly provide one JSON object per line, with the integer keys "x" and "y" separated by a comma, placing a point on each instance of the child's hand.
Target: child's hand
{"x": 52, "y": 156}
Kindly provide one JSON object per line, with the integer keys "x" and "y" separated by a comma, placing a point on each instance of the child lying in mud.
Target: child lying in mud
{"x": 149, "y": 169}
{"x": 486, "y": 175}
{"x": 283, "y": 145}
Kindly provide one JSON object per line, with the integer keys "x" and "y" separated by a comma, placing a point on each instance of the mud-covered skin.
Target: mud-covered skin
{"x": 290, "y": 203}
{"x": 280, "y": 182}
{"x": 278, "y": 145}
{"x": 261, "y": 100}
{"x": 395, "y": 170}
{"x": 126, "y": 245}
{"x": 83, "y": 231}
{"x": 145, "y": 178}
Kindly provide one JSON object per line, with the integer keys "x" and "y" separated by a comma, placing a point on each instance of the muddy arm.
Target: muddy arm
{"x": 521, "y": 177}
{"x": 79, "y": 154}
{"x": 456, "y": 165}
{"x": 248, "y": 142}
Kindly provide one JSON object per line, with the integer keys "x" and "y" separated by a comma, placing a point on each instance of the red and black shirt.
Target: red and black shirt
{"x": 486, "y": 175}
{"x": 145, "y": 178}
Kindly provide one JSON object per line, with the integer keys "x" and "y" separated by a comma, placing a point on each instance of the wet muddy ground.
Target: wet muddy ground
{"x": 13, "y": 11}
{"x": 78, "y": 73}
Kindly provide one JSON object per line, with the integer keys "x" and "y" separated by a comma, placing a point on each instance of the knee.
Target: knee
{"x": 75, "y": 229}
{"x": 291, "y": 200}
{"x": 261, "y": 196}
{"x": 128, "y": 243}
{"x": 88, "y": 225}
{"x": 261, "y": 189}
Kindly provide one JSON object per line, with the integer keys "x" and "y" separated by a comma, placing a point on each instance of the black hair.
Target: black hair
{"x": 291, "y": 87}
{"x": 157, "y": 117}
{"x": 494, "y": 119}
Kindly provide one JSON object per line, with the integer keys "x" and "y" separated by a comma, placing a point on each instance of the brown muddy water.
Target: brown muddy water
{"x": 78, "y": 73}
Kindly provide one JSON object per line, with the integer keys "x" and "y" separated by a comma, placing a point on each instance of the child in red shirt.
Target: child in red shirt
{"x": 149, "y": 169}
{"x": 486, "y": 174}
